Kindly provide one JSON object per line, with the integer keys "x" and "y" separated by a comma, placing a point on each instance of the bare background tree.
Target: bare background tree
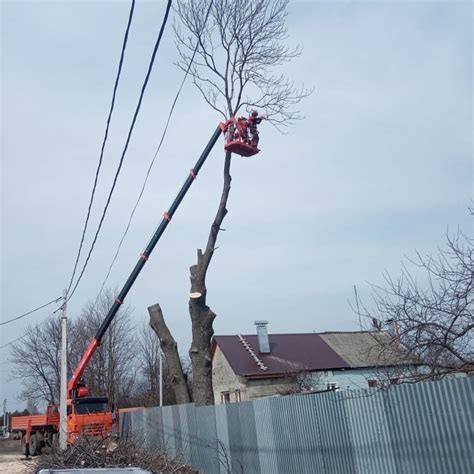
{"x": 432, "y": 317}
{"x": 233, "y": 47}
{"x": 37, "y": 361}
{"x": 110, "y": 372}
{"x": 125, "y": 367}
{"x": 147, "y": 391}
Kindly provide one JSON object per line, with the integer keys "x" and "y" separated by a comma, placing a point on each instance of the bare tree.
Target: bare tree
{"x": 36, "y": 357}
{"x": 148, "y": 366}
{"x": 111, "y": 372}
{"x": 36, "y": 362}
{"x": 433, "y": 320}
{"x": 32, "y": 407}
{"x": 231, "y": 48}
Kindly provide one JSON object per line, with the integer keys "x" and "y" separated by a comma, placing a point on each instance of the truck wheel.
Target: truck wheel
{"x": 35, "y": 445}
{"x": 24, "y": 450}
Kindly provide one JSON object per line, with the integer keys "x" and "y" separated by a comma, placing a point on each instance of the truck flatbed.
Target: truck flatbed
{"x": 20, "y": 423}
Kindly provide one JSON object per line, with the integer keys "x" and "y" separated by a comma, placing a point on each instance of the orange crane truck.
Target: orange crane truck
{"x": 93, "y": 416}
{"x": 89, "y": 416}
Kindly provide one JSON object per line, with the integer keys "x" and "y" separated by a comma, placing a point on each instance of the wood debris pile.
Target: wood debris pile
{"x": 109, "y": 453}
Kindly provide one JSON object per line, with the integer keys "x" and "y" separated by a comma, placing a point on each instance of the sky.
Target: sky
{"x": 381, "y": 165}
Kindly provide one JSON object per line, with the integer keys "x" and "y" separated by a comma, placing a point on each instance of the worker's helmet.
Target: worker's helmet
{"x": 254, "y": 113}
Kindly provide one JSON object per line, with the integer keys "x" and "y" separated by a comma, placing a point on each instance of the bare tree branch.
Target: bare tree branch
{"x": 251, "y": 36}
{"x": 434, "y": 320}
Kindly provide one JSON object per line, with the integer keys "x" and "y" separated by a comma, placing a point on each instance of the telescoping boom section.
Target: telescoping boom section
{"x": 236, "y": 142}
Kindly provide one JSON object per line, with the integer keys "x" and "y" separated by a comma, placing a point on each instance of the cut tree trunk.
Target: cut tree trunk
{"x": 170, "y": 350}
{"x": 200, "y": 351}
{"x": 202, "y": 317}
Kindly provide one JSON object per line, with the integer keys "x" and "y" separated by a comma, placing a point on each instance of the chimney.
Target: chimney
{"x": 393, "y": 328}
{"x": 263, "y": 342}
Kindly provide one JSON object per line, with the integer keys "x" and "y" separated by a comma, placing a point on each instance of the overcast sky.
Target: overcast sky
{"x": 381, "y": 165}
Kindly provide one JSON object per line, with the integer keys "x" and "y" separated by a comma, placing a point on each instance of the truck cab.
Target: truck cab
{"x": 89, "y": 416}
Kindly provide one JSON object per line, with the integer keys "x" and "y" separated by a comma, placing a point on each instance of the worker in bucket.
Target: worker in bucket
{"x": 252, "y": 123}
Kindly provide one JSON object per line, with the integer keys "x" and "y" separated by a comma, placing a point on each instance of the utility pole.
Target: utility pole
{"x": 160, "y": 355}
{"x": 5, "y": 425}
{"x": 63, "y": 394}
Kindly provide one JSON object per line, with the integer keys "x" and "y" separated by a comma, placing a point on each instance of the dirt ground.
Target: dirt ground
{"x": 11, "y": 459}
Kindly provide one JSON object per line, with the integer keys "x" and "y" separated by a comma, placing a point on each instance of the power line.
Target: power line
{"x": 152, "y": 162}
{"x": 117, "y": 78}
{"x": 150, "y": 67}
{"x": 17, "y": 339}
{"x": 135, "y": 115}
{"x": 30, "y": 312}
{"x": 28, "y": 331}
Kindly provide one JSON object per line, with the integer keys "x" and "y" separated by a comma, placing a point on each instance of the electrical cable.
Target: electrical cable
{"x": 28, "y": 331}
{"x": 152, "y": 162}
{"x": 101, "y": 158}
{"x": 17, "y": 339}
{"x": 30, "y": 312}
{"x": 117, "y": 78}
{"x": 144, "y": 86}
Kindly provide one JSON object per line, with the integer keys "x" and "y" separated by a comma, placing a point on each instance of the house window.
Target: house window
{"x": 372, "y": 383}
{"x": 225, "y": 397}
{"x": 331, "y": 386}
{"x": 237, "y": 395}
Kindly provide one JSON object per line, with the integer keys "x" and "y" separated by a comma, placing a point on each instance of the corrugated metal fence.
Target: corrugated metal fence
{"x": 420, "y": 428}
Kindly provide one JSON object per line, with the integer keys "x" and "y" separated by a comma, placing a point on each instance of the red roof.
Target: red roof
{"x": 289, "y": 353}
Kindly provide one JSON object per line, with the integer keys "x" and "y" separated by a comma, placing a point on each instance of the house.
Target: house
{"x": 247, "y": 367}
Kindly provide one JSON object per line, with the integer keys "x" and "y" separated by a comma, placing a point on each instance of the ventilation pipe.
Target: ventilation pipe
{"x": 262, "y": 335}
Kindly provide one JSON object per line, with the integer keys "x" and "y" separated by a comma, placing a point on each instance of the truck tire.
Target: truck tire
{"x": 35, "y": 445}
{"x": 24, "y": 449}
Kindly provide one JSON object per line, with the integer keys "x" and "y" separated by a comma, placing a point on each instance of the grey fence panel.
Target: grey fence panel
{"x": 370, "y": 435}
{"x": 169, "y": 431}
{"x": 138, "y": 427}
{"x": 249, "y": 437}
{"x": 423, "y": 428}
{"x": 222, "y": 435}
{"x": 458, "y": 403}
{"x": 205, "y": 437}
{"x": 283, "y": 435}
{"x": 125, "y": 425}
{"x": 337, "y": 449}
{"x": 176, "y": 426}
{"x": 461, "y": 397}
{"x": 265, "y": 438}
{"x": 153, "y": 428}
{"x": 235, "y": 438}
{"x": 183, "y": 432}
{"x": 427, "y": 426}
{"x": 194, "y": 448}
{"x": 305, "y": 426}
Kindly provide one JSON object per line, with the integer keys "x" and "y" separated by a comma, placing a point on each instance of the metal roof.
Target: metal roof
{"x": 367, "y": 349}
{"x": 289, "y": 353}
{"x": 292, "y": 353}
